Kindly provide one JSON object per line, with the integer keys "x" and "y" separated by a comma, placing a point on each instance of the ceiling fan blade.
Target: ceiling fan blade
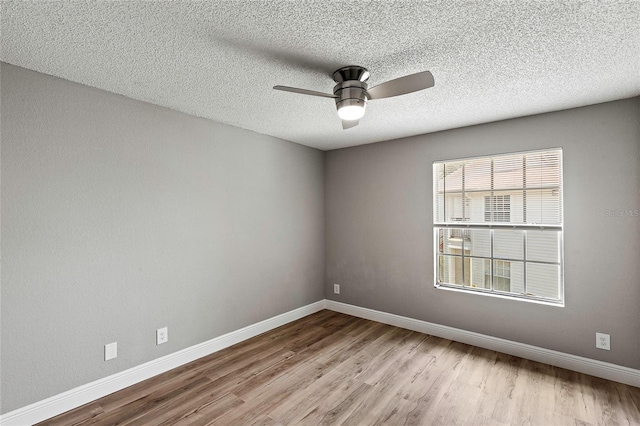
{"x": 402, "y": 86}
{"x": 347, "y": 124}
{"x": 304, "y": 91}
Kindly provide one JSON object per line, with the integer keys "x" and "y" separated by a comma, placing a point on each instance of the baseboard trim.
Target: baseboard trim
{"x": 580, "y": 364}
{"x": 81, "y": 395}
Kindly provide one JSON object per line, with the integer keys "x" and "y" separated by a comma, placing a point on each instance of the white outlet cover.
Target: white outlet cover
{"x": 110, "y": 351}
{"x": 162, "y": 335}
{"x": 603, "y": 341}
{"x": 336, "y": 288}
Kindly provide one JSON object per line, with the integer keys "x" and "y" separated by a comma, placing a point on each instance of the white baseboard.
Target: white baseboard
{"x": 81, "y": 395}
{"x": 580, "y": 364}
{"x": 76, "y": 397}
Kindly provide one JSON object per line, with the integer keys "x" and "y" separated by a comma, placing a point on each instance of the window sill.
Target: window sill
{"x": 558, "y": 304}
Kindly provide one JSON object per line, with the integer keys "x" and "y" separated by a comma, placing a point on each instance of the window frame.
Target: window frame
{"x": 467, "y": 226}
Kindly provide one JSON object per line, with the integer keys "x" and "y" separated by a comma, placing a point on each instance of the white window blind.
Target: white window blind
{"x": 498, "y": 224}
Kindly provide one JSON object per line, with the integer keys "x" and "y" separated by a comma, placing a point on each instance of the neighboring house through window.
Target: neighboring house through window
{"x": 497, "y": 208}
{"x": 498, "y": 225}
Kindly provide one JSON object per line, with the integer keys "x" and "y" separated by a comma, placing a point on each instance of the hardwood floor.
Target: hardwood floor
{"x": 331, "y": 369}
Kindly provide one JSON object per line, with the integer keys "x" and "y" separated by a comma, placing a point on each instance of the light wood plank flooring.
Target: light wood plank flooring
{"x": 332, "y": 369}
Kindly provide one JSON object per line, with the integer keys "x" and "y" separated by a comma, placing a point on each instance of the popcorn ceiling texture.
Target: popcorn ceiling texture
{"x": 492, "y": 60}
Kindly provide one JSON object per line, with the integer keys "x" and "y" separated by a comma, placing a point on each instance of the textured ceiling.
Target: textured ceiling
{"x": 491, "y": 60}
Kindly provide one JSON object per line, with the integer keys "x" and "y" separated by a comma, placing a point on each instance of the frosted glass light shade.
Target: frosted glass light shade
{"x": 351, "y": 112}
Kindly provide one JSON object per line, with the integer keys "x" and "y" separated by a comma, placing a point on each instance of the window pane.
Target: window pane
{"x": 438, "y": 191}
{"x": 516, "y": 199}
{"x": 543, "y": 280}
{"x": 543, "y": 174}
{"x": 508, "y": 172}
{"x": 452, "y": 178}
{"x": 480, "y": 275}
{"x": 503, "y": 207}
{"x": 450, "y": 240}
{"x": 543, "y": 206}
{"x": 506, "y": 207}
{"x": 457, "y": 207}
{"x": 543, "y": 246}
{"x": 508, "y": 276}
{"x": 438, "y": 208}
{"x": 517, "y": 277}
{"x": 508, "y": 244}
{"x": 450, "y": 270}
{"x": 477, "y": 174}
{"x": 543, "y": 169}
{"x": 478, "y": 242}
{"x": 467, "y": 271}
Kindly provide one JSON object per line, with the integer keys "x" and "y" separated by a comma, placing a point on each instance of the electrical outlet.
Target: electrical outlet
{"x": 336, "y": 288}
{"x": 603, "y": 341}
{"x": 110, "y": 351}
{"x": 162, "y": 335}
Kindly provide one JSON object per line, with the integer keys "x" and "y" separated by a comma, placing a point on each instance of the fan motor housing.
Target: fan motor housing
{"x": 350, "y": 92}
{"x": 352, "y": 87}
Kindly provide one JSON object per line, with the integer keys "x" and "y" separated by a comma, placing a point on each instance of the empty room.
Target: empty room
{"x": 305, "y": 213}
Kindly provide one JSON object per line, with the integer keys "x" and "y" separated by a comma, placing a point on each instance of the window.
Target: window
{"x": 498, "y": 225}
{"x": 497, "y": 208}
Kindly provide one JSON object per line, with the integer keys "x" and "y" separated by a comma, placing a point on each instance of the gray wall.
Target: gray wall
{"x": 119, "y": 217}
{"x": 379, "y": 243}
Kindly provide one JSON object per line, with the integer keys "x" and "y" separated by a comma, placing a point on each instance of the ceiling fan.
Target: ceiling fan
{"x": 351, "y": 92}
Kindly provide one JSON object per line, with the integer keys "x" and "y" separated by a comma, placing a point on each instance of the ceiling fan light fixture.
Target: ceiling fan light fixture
{"x": 351, "y": 109}
{"x": 352, "y": 92}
